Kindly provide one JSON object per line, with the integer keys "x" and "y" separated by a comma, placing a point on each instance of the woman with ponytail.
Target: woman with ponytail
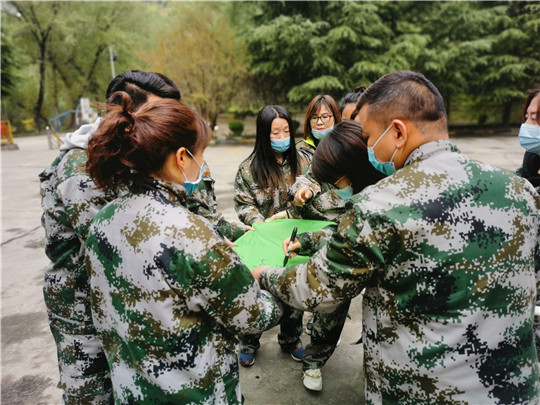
{"x": 168, "y": 294}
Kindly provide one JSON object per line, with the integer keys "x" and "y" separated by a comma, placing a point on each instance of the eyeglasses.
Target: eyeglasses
{"x": 324, "y": 118}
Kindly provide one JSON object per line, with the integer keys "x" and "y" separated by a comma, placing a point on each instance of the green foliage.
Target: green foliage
{"x": 239, "y": 56}
{"x": 236, "y": 127}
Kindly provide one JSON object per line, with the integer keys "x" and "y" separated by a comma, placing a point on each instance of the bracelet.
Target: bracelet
{"x": 288, "y": 215}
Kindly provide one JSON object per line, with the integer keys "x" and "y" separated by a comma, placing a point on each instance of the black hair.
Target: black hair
{"x": 264, "y": 167}
{"x": 343, "y": 152}
{"x": 403, "y": 94}
{"x": 139, "y": 85}
{"x": 350, "y": 98}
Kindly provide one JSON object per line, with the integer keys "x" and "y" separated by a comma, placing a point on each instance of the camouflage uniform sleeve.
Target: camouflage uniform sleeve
{"x": 313, "y": 241}
{"x": 226, "y": 290}
{"x": 335, "y": 274}
{"x": 244, "y": 201}
{"x": 203, "y": 202}
{"x": 81, "y": 198}
{"x": 308, "y": 181}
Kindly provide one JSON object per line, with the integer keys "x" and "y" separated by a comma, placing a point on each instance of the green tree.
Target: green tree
{"x": 39, "y": 22}
{"x": 64, "y": 50}
{"x": 513, "y": 62}
{"x": 201, "y": 54}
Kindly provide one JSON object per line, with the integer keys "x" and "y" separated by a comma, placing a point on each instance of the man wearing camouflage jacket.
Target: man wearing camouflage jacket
{"x": 448, "y": 251}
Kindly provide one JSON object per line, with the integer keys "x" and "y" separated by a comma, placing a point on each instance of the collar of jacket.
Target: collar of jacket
{"x": 428, "y": 150}
{"x": 174, "y": 193}
{"x": 310, "y": 142}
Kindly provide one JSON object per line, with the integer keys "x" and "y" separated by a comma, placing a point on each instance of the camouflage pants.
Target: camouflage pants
{"x": 84, "y": 372}
{"x": 325, "y": 334}
{"x": 288, "y": 336}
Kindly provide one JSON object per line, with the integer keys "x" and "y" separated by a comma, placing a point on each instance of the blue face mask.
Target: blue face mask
{"x": 529, "y": 137}
{"x": 321, "y": 134}
{"x": 387, "y": 168}
{"x": 345, "y": 193}
{"x": 191, "y": 186}
{"x": 280, "y": 145}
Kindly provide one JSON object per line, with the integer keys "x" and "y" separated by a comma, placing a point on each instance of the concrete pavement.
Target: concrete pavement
{"x": 29, "y": 369}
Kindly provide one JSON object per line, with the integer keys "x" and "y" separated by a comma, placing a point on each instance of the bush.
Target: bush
{"x": 236, "y": 127}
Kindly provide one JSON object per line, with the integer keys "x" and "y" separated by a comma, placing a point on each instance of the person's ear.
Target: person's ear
{"x": 401, "y": 131}
{"x": 181, "y": 156}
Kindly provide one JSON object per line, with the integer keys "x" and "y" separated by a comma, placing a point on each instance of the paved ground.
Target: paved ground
{"x": 29, "y": 373}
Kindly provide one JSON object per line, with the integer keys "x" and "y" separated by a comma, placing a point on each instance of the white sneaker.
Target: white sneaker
{"x": 312, "y": 379}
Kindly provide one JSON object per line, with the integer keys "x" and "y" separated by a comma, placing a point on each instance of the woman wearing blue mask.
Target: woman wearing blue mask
{"x": 321, "y": 116}
{"x": 529, "y": 137}
{"x": 261, "y": 189}
{"x": 342, "y": 159}
{"x": 168, "y": 295}
{"x": 263, "y": 180}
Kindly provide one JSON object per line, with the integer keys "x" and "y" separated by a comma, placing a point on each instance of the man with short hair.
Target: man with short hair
{"x": 448, "y": 251}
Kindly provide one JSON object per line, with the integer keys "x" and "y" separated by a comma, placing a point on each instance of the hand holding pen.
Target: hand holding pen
{"x": 288, "y": 244}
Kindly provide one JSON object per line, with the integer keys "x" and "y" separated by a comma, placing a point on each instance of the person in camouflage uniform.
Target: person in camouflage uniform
{"x": 448, "y": 251}
{"x": 70, "y": 201}
{"x": 261, "y": 189}
{"x": 341, "y": 160}
{"x": 168, "y": 294}
{"x": 203, "y": 202}
{"x": 313, "y": 200}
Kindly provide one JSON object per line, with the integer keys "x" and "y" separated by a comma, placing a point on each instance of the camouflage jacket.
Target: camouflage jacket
{"x": 448, "y": 250}
{"x": 203, "y": 202}
{"x": 168, "y": 298}
{"x": 325, "y": 205}
{"x": 70, "y": 201}
{"x": 254, "y": 204}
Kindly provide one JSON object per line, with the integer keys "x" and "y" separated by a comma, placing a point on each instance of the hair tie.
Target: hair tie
{"x": 133, "y": 116}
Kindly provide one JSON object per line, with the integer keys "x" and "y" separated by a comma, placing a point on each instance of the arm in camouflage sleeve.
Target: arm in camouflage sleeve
{"x": 229, "y": 294}
{"x": 336, "y": 273}
{"x": 203, "y": 202}
{"x": 81, "y": 198}
{"x": 314, "y": 241}
{"x": 244, "y": 202}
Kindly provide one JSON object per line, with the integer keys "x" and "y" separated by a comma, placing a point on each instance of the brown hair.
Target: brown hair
{"x": 343, "y": 152}
{"x": 312, "y": 109}
{"x": 128, "y": 147}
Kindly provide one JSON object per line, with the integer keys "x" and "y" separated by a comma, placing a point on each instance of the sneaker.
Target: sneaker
{"x": 298, "y": 354}
{"x": 247, "y": 359}
{"x": 338, "y": 342}
{"x": 312, "y": 379}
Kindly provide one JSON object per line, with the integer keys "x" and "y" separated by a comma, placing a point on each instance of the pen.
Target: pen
{"x": 293, "y": 237}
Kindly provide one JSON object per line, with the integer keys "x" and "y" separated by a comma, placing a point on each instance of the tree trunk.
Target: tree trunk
{"x": 507, "y": 111}
{"x": 41, "y": 91}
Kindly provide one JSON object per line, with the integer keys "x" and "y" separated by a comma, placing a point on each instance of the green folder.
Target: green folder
{"x": 264, "y": 245}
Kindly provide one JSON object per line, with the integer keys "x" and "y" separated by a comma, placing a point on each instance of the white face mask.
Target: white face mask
{"x": 529, "y": 137}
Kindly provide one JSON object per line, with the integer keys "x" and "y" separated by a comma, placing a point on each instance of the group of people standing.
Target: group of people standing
{"x": 147, "y": 300}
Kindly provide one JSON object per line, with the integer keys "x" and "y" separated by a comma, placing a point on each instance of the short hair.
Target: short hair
{"x": 351, "y": 98}
{"x": 314, "y": 105}
{"x": 403, "y": 94}
{"x": 264, "y": 167}
{"x": 343, "y": 152}
{"x": 139, "y": 85}
{"x": 128, "y": 147}
{"x": 532, "y": 93}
